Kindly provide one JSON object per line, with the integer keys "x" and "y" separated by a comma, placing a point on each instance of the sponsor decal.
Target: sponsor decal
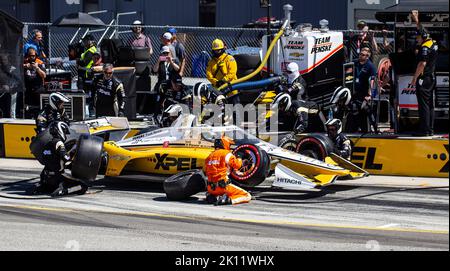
{"x": 119, "y": 157}
{"x": 296, "y": 54}
{"x": 443, "y": 157}
{"x": 365, "y": 158}
{"x": 164, "y": 162}
{"x": 322, "y": 45}
{"x": 295, "y": 44}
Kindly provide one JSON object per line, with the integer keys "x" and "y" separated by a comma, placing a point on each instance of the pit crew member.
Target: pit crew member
{"x": 341, "y": 142}
{"x": 53, "y": 180}
{"x": 109, "y": 94}
{"x": 292, "y": 99}
{"x": 53, "y": 111}
{"x": 217, "y": 168}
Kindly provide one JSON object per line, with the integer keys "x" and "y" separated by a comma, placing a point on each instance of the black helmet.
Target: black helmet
{"x": 56, "y": 98}
{"x": 60, "y": 130}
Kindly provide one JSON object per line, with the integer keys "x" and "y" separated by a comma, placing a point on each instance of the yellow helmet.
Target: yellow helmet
{"x": 218, "y": 44}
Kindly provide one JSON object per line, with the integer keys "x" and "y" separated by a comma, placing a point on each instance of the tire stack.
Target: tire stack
{"x": 143, "y": 69}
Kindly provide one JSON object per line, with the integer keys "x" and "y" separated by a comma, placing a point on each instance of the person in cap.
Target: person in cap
{"x": 166, "y": 40}
{"x": 165, "y": 68}
{"x": 53, "y": 111}
{"x": 176, "y": 92}
{"x": 217, "y": 167}
{"x": 424, "y": 78}
{"x": 180, "y": 50}
{"x": 139, "y": 38}
{"x": 342, "y": 145}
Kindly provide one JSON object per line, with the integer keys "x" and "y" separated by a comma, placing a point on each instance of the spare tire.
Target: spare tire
{"x": 88, "y": 157}
{"x": 141, "y": 53}
{"x": 289, "y": 142}
{"x": 316, "y": 146}
{"x": 184, "y": 185}
{"x": 256, "y": 171}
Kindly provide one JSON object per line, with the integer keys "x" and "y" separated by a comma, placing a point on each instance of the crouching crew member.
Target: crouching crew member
{"x": 217, "y": 167}
{"x": 342, "y": 144}
{"x": 109, "y": 94}
{"x": 53, "y": 180}
{"x": 53, "y": 111}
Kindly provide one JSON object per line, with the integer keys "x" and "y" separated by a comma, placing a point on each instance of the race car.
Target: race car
{"x": 183, "y": 148}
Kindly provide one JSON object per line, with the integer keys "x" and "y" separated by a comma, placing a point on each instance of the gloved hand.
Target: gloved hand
{"x": 220, "y": 83}
{"x": 121, "y": 114}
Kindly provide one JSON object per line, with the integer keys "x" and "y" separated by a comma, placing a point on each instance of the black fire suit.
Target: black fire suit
{"x": 300, "y": 105}
{"x": 342, "y": 146}
{"x": 52, "y": 180}
{"x": 48, "y": 115}
{"x": 109, "y": 97}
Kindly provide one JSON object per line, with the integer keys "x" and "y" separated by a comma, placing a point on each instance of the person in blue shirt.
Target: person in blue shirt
{"x": 365, "y": 74}
{"x": 36, "y": 43}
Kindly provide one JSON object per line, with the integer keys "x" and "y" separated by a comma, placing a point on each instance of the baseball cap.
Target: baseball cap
{"x": 167, "y": 36}
{"x": 165, "y": 49}
{"x": 172, "y": 30}
{"x": 137, "y": 22}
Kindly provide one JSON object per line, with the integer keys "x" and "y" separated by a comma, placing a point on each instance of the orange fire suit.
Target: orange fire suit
{"x": 217, "y": 169}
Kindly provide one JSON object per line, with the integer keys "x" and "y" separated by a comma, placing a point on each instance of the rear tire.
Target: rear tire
{"x": 316, "y": 146}
{"x": 184, "y": 185}
{"x": 88, "y": 157}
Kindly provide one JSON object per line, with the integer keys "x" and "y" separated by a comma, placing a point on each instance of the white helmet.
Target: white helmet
{"x": 55, "y": 98}
{"x": 282, "y": 99}
{"x": 341, "y": 94}
{"x": 335, "y": 122}
{"x": 60, "y": 129}
{"x": 293, "y": 72}
{"x": 174, "y": 110}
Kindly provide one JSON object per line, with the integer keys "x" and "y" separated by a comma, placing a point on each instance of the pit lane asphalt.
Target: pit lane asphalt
{"x": 375, "y": 213}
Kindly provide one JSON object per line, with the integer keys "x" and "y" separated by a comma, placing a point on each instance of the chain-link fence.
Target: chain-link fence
{"x": 197, "y": 41}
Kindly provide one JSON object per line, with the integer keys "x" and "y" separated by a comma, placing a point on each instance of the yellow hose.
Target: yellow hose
{"x": 263, "y": 63}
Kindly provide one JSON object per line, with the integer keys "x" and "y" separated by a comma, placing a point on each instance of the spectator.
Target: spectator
{"x": 109, "y": 94}
{"x": 36, "y": 43}
{"x": 34, "y": 75}
{"x": 180, "y": 50}
{"x": 176, "y": 92}
{"x": 166, "y": 40}
{"x": 9, "y": 84}
{"x": 140, "y": 39}
{"x": 165, "y": 67}
{"x": 364, "y": 39}
{"x": 365, "y": 74}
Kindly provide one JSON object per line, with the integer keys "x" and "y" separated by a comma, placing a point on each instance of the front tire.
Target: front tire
{"x": 184, "y": 185}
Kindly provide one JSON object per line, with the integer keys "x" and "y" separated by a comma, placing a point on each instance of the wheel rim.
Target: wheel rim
{"x": 250, "y": 153}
